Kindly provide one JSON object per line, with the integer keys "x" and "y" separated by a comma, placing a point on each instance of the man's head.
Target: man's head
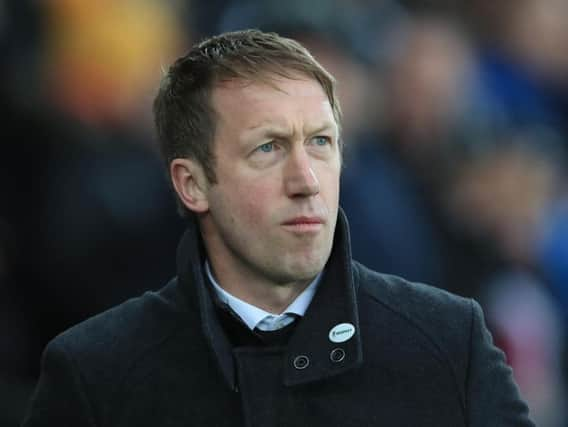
{"x": 184, "y": 115}
{"x": 249, "y": 125}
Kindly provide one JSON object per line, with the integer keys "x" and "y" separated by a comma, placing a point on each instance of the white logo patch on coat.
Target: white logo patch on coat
{"x": 341, "y": 332}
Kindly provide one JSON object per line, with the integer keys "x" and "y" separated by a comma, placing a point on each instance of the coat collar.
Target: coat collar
{"x": 334, "y": 304}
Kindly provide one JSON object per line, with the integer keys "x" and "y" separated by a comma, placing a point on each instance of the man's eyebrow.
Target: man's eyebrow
{"x": 275, "y": 130}
{"x": 268, "y": 130}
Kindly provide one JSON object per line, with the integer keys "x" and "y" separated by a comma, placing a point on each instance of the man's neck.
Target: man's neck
{"x": 255, "y": 289}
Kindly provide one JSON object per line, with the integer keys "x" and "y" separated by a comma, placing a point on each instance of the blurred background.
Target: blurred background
{"x": 456, "y": 133}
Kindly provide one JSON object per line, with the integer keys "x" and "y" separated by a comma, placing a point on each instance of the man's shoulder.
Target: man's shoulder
{"x": 126, "y": 330}
{"x": 394, "y": 289}
{"x": 434, "y": 311}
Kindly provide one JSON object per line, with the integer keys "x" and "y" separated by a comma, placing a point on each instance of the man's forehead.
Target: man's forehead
{"x": 267, "y": 109}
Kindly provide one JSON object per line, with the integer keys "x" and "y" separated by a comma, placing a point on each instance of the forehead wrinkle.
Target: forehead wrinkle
{"x": 272, "y": 131}
{"x": 290, "y": 129}
{"x": 271, "y": 121}
{"x": 325, "y": 125}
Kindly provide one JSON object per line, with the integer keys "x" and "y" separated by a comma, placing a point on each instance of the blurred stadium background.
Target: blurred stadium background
{"x": 456, "y": 132}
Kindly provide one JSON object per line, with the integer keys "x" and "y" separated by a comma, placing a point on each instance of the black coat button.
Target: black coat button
{"x": 301, "y": 362}
{"x": 337, "y": 355}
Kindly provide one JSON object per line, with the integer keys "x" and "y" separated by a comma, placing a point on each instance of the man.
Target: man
{"x": 269, "y": 322}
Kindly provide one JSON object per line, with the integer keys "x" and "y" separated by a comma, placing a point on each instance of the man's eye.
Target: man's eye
{"x": 321, "y": 140}
{"x": 266, "y": 148}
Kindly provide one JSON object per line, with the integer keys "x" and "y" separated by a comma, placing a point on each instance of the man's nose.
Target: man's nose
{"x": 300, "y": 179}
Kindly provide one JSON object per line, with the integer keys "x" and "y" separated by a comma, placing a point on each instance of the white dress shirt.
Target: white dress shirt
{"x": 255, "y": 317}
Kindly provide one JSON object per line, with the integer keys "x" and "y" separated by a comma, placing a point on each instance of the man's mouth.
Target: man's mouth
{"x": 304, "y": 224}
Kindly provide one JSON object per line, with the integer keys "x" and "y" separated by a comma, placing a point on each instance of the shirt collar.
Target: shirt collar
{"x": 255, "y": 317}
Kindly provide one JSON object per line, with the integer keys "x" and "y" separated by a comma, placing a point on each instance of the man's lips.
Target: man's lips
{"x": 304, "y": 225}
{"x": 304, "y": 220}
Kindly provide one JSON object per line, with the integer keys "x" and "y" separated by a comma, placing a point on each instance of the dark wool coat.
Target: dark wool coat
{"x": 419, "y": 357}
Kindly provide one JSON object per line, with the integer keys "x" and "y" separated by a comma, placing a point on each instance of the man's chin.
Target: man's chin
{"x": 300, "y": 272}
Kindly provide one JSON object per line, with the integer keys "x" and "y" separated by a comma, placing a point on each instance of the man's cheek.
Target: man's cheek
{"x": 258, "y": 204}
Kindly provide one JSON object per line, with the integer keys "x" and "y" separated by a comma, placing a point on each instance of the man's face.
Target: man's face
{"x": 273, "y": 210}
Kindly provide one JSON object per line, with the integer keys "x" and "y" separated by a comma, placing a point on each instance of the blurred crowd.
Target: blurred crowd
{"x": 456, "y": 158}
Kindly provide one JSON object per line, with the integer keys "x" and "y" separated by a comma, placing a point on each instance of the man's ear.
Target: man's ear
{"x": 190, "y": 184}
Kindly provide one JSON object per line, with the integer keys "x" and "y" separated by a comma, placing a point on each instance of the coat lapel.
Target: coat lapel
{"x": 333, "y": 306}
{"x": 190, "y": 261}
